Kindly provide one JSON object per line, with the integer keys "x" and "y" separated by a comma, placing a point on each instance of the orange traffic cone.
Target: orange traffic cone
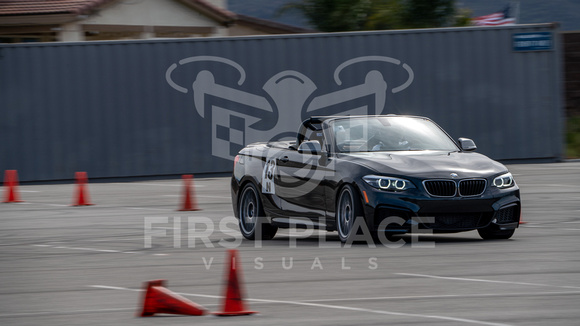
{"x": 233, "y": 304}
{"x": 159, "y": 300}
{"x": 82, "y": 195}
{"x": 188, "y": 204}
{"x": 11, "y": 186}
{"x": 522, "y": 219}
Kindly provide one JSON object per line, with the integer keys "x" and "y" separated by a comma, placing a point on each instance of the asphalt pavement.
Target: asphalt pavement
{"x": 64, "y": 265}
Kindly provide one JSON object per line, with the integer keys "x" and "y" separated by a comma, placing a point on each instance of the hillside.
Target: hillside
{"x": 567, "y": 12}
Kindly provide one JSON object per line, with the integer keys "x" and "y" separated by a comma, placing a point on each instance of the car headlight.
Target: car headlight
{"x": 504, "y": 181}
{"x": 388, "y": 183}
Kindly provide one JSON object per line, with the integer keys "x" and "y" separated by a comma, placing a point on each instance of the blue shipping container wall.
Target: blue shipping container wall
{"x": 161, "y": 107}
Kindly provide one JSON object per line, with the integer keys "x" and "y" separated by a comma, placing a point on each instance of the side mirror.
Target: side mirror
{"x": 467, "y": 144}
{"x": 310, "y": 147}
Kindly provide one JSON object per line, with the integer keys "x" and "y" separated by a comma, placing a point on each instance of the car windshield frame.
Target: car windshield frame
{"x": 388, "y": 134}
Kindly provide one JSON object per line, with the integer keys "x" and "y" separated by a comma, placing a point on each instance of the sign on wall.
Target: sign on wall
{"x": 539, "y": 41}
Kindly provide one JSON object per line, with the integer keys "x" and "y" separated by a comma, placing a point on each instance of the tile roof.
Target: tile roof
{"x": 47, "y": 7}
{"x": 52, "y": 8}
{"x": 83, "y": 7}
{"x": 208, "y": 8}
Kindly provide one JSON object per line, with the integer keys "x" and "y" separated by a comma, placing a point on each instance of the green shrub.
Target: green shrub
{"x": 573, "y": 137}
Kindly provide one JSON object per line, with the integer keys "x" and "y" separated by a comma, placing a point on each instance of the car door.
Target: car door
{"x": 300, "y": 182}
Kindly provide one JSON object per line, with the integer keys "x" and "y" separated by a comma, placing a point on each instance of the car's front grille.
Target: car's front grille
{"x": 441, "y": 188}
{"x": 448, "y": 188}
{"x": 471, "y": 187}
{"x": 507, "y": 215}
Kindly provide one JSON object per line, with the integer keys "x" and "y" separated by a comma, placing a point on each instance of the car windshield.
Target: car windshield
{"x": 366, "y": 134}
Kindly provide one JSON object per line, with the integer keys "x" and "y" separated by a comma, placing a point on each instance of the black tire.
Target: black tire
{"x": 493, "y": 233}
{"x": 348, "y": 209}
{"x": 253, "y": 223}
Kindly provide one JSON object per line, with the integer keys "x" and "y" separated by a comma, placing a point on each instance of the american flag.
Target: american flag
{"x": 498, "y": 18}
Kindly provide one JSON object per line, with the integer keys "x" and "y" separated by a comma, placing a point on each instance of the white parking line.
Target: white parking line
{"x": 450, "y": 296}
{"x": 538, "y": 185}
{"x": 319, "y": 305}
{"x": 160, "y": 184}
{"x": 108, "y": 287}
{"x": 45, "y": 204}
{"x": 485, "y": 281}
{"x": 73, "y": 312}
{"x": 70, "y": 312}
{"x": 146, "y": 209}
{"x": 137, "y": 238}
{"x": 218, "y": 197}
{"x": 85, "y": 249}
{"x": 202, "y": 196}
{"x": 552, "y": 227}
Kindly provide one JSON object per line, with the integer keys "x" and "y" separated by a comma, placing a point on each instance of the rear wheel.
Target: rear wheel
{"x": 493, "y": 233}
{"x": 348, "y": 209}
{"x": 253, "y": 223}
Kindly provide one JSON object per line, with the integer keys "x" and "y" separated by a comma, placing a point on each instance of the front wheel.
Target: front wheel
{"x": 348, "y": 210}
{"x": 253, "y": 223}
{"x": 493, "y": 233}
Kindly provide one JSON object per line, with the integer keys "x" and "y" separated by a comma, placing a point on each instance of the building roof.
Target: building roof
{"x": 48, "y": 7}
{"x": 34, "y": 12}
{"x": 85, "y": 7}
{"x": 215, "y": 12}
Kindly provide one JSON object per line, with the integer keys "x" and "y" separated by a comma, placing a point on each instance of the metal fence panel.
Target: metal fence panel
{"x": 160, "y": 107}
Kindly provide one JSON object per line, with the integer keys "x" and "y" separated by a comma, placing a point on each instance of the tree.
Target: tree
{"x": 357, "y": 15}
{"x": 333, "y": 15}
{"x": 429, "y": 13}
{"x": 386, "y": 14}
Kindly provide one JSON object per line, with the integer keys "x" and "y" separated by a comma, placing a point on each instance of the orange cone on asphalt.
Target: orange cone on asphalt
{"x": 11, "y": 187}
{"x": 522, "y": 219}
{"x": 81, "y": 196}
{"x": 233, "y": 303}
{"x": 188, "y": 203}
{"x": 159, "y": 300}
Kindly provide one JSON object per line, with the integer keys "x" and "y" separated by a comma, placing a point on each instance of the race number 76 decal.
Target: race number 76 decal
{"x": 268, "y": 177}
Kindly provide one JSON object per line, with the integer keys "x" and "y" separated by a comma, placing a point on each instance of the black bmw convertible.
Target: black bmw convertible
{"x": 372, "y": 175}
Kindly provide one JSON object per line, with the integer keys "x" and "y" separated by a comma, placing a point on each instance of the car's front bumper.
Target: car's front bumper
{"x": 408, "y": 211}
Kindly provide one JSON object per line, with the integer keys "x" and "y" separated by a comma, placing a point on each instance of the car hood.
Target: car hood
{"x": 427, "y": 164}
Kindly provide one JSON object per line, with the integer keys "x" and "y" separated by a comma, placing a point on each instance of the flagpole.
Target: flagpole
{"x": 517, "y": 11}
